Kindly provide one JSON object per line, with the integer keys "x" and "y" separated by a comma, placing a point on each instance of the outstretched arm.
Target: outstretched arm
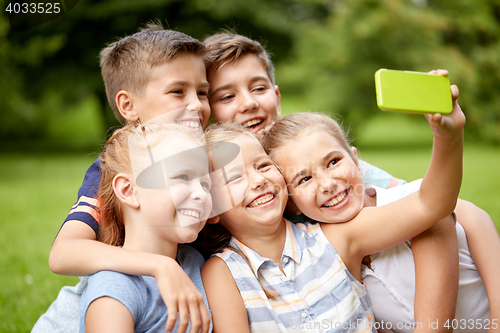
{"x": 435, "y": 252}
{"x": 76, "y": 252}
{"x": 228, "y": 310}
{"x": 394, "y": 223}
{"x": 484, "y": 246}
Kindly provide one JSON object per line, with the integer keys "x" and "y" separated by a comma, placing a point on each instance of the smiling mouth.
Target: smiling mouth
{"x": 194, "y": 125}
{"x": 190, "y": 213}
{"x": 336, "y": 200}
{"x": 262, "y": 200}
{"x": 251, "y": 124}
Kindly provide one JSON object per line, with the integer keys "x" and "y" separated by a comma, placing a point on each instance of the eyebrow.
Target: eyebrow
{"x": 330, "y": 155}
{"x": 224, "y": 87}
{"x": 298, "y": 174}
{"x": 186, "y": 83}
{"x": 231, "y": 85}
{"x": 325, "y": 159}
{"x": 260, "y": 157}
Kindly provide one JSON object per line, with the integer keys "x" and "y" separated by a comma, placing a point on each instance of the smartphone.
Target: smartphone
{"x": 413, "y": 92}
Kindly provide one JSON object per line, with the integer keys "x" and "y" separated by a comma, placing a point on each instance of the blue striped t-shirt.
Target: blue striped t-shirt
{"x": 316, "y": 294}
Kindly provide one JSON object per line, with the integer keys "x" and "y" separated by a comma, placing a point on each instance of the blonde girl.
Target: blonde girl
{"x": 324, "y": 183}
{"x": 154, "y": 195}
{"x": 305, "y": 277}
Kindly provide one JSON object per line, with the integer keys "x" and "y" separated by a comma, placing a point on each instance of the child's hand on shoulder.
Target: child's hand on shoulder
{"x": 448, "y": 126}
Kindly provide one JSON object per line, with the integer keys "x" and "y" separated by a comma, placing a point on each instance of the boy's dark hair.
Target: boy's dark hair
{"x": 227, "y": 46}
{"x": 128, "y": 63}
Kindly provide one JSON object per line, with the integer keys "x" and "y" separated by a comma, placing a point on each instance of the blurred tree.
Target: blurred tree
{"x": 325, "y": 51}
{"x": 48, "y": 69}
{"x": 334, "y": 59}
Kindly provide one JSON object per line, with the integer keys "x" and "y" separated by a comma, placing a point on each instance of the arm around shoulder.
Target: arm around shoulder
{"x": 227, "y": 307}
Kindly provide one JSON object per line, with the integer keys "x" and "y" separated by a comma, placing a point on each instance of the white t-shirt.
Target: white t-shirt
{"x": 391, "y": 281}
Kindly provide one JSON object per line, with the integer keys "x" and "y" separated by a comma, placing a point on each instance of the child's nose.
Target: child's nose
{"x": 248, "y": 103}
{"x": 258, "y": 181}
{"x": 195, "y": 104}
{"x": 326, "y": 183}
{"x": 199, "y": 193}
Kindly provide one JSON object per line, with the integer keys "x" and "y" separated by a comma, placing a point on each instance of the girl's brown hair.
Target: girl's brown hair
{"x": 215, "y": 238}
{"x": 290, "y": 127}
{"x": 116, "y": 159}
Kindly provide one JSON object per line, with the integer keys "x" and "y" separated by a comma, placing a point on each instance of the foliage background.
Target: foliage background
{"x": 55, "y": 115}
{"x": 325, "y": 51}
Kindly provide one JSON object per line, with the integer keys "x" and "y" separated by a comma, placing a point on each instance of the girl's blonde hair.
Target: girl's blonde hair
{"x": 116, "y": 158}
{"x": 288, "y": 128}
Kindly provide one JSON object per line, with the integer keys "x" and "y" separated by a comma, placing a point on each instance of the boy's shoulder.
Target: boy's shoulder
{"x": 386, "y": 196}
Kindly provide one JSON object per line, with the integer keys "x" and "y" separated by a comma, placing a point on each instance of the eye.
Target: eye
{"x": 177, "y": 91}
{"x": 264, "y": 166}
{"x": 333, "y": 161}
{"x": 184, "y": 178}
{"x": 234, "y": 179}
{"x": 259, "y": 89}
{"x": 304, "y": 180}
{"x": 203, "y": 93}
{"x": 226, "y": 98}
{"x": 206, "y": 186}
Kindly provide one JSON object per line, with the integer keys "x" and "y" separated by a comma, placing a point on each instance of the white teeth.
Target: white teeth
{"x": 252, "y": 122}
{"x": 189, "y": 212}
{"x": 339, "y": 198}
{"x": 261, "y": 200}
{"x": 191, "y": 124}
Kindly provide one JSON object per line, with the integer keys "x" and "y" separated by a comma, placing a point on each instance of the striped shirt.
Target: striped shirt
{"x": 373, "y": 176}
{"x": 316, "y": 294}
{"x": 86, "y": 207}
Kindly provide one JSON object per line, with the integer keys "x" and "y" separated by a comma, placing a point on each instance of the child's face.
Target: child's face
{"x": 242, "y": 92}
{"x": 324, "y": 182}
{"x": 263, "y": 193}
{"x": 178, "y": 92}
{"x": 179, "y": 210}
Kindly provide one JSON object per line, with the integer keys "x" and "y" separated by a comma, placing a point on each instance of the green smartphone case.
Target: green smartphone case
{"x": 414, "y": 92}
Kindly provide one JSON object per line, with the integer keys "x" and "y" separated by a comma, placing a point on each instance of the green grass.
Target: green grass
{"x": 37, "y": 191}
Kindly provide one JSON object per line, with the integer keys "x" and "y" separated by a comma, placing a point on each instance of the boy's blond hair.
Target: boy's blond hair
{"x": 127, "y": 64}
{"x": 226, "y": 47}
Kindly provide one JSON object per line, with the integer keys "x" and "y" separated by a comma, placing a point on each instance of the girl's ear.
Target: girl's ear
{"x": 213, "y": 220}
{"x": 355, "y": 152}
{"x": 124, "y": 102}
{"x": 124, "y": 190}
{"x": 278, "y": 102}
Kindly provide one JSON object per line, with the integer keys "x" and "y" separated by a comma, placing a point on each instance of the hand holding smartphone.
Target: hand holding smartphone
{"x": 412, "y": 92}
